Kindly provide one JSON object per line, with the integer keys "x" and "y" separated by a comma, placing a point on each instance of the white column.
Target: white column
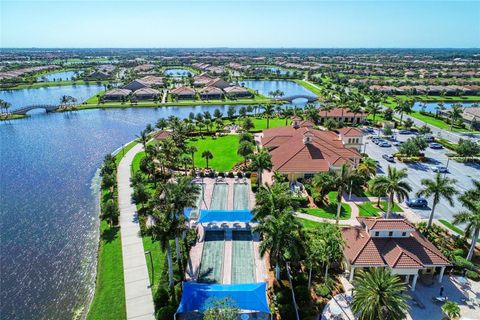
{"x": 352, "y": 271}
{"x": 407, "y": 278}
{"x": 414, "y": 282}
{"x": 442, "y": 270}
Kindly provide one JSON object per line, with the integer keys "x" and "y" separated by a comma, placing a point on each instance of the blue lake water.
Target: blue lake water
{"x": 289, "y": 88}
{"x": 49, "y": 204}
{"x": 274, "y": 70}
{"x": 431, "y": 106}
{"x": 177, "y": 72}
{"x": 48, "y": 95}
{"x": 57, "y": 76}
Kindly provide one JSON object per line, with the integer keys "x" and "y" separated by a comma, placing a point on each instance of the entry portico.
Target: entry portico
{"x": 393, "y": 244}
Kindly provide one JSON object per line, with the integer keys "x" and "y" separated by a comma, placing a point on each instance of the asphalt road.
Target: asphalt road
{"x": 463, "y": 173}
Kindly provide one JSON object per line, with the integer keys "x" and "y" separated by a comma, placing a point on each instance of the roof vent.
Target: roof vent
{"x": 307, "y": 137}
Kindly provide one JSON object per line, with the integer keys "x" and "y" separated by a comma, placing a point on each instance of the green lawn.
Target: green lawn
{"x": 109, "y": 299}
{"x": 330, "y": 211}
{"x": 124, "y": 150}
{"x": 309, "y": 86}
{"x": 158, "y": 259}
{"x": 55, "y": 84}
{"x": 370, "y": 209}
{"x": 261, "y": 123}
{"x": 136, "y": 161}
{"x": 224, "y": 150}
{"x": 309, "y": 224}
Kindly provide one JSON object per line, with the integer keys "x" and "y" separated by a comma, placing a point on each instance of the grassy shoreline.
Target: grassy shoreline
{"x": 14, "y": 117}
{"x": 54, "y": 84}
{"x": 109, "y": 299}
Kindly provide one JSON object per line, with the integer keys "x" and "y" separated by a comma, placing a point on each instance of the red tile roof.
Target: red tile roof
{"x": 290, "y": 153}
{"x": 339, "y": 112}
{"x": 350, "y": 132}
{"x": 183, "y": 90}
{"x": 414, "y": 251}
{"x": 386, "y": 224}
{"x": 161, "y": 135}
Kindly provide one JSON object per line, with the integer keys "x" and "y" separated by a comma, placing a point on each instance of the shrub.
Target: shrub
{"x": 287, "y": 311}
{"x": 301, "y": 278}
{"x": 322, "y": 291}
{"x": 211, "y": 174}
{"x": 231, "y": 175}
{"x": 283, "y": 297}
{"x": 161, "y": 297}
{"x": 472, "y": 275}
{"x": 221, "y": 174}
{"x": 166, "y": 313}
{"x": 302, "y": 294}
{"x": 248, "y": 174}
{"x": 462, "y": 263}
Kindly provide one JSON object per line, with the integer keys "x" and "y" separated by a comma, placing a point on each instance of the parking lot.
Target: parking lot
{"x": 463, "y": 173}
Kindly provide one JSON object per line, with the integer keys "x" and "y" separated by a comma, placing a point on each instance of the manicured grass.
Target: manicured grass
{"x": 309, "y": 224}
{"x": 370, "y": 209}
{"x": 224, "y": 150}
{"x": 261, "y": 123}
{"x": 123, "y": 151}
{"x": 54, "y": 84}
{"x": 136, "y": 161}
{"x": 309, "y": 86}
{"x": 109, "y": 299}
{"x": 425, "y": 98}
{"x": 330, "y": 211}
{"x": 158, "y": 260}
{"x": 14, "y": 116}
{"x": 451, "y": 227}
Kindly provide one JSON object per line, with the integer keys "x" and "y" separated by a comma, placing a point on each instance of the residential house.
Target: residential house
{"x": 237, "y": 92}
{"x": 211, "y": 93}
{"x": 470, "y": 115}
{"x": 183, "y": 93}
{"x": 218, "y": 83}
{"x": 393, "y": 244}
{"x": 146, "y": 93}
{"x": 201, "y": 80}
{"x": 116, "y": 94}
{"x": 342, "y": 115}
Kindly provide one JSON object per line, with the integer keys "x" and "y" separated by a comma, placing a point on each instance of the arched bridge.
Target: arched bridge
{"x": 300, "y": 96}
{"x": 46, "y": 107}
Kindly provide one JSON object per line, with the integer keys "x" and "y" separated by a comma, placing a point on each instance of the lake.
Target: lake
{"x": 57, "y": 76}
{"x": 273, "y": 70}
{"x": 431, "y": 106}
{"x": 48, "y": 95}
{"x": 289, "y": 88}
{"x": 177, "y": 72}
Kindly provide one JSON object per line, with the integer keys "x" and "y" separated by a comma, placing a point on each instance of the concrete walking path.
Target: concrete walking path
{"x": 138, "y": 295}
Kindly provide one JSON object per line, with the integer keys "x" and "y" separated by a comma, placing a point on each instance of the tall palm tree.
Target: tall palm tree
{"x": 455, "y": 114}
{"x": 378, "y": 295}
{"x": 143, "y": 138}
{"x": 262, "y": 160}
{"x": 192, "y": 149}
{"x": 245, "y": 149}
{"x": 268, "y": 111}
{"x": 342, "y": 180}
{"x": 439, "y": 187}
{"x": 367, "y": 167}
{"x": 162, "y": 230}
{"x": 373, "y": 108}
{"x": 355, "y": 109}
{"x": 207, "y": 154}
{"x": 271, "y": 199}
{"x": 280, "y": 233}
{"x": 392, "y": 184}
{"x": 404, "y": 106}
{"x": 471, "y": 215}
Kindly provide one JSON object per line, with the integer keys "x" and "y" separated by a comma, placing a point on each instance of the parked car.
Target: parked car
{"x": 388, "y": 157}
{"x": 441, "y": 169}
{"x": 429, "y": 138}
{"x": 397, "y": 143}
{"x": 368, "y": 130}
{"x": 435, "y": 145}
{"x": 384, "y": 144}
{"x": 417, "y": 203}
{"x": 403, "y": 131}
{"x": 376, "y": 140}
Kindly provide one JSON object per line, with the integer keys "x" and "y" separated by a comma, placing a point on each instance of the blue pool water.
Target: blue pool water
{"x": 57, "y": 76}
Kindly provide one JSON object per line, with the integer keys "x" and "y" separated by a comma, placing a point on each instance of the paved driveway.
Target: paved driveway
{"x": 463, "y": 173}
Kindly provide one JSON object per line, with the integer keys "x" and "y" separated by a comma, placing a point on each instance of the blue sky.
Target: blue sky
{"x": 323, "y": 24}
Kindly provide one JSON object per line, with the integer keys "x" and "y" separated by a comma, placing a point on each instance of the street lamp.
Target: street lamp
{"x": 365, "y": 147}
{"x": 151, "y": 265}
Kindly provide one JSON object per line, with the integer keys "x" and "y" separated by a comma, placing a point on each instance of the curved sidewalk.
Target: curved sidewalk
{"x": 138, "y": 295}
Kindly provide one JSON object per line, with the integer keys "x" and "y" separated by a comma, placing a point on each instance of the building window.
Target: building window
{"x": 404, "y": 234}
{"x": 390, "y": 233}
{"x": 377, "y": 233}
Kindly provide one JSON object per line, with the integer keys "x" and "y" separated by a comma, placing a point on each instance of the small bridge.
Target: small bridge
{"x": 300, "y": 96}
{"x": 46, "y": 107}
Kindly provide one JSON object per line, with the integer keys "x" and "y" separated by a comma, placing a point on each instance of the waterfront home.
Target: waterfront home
{"x": 342, "y": 115}
{"x": 152, "y": 81}
{"x": 394, "y": 244}
{"x": 201, "y": 80}
{"x": 300, "y": 151}
{"x": 162, "y": 135}
{"x": 144, "y": 68}
{"x": 218, "y": 83}
{"x": 237, "y": 92}
{"x": 135, "y": 85}
{"x": 146, "y": 93}
{"x": 183, "y": 93}
{"x": 98, "y": 75}
{"x": 470, "y": 115}
{"x": 116, "y": 94}
{"x": 211, "y": 93}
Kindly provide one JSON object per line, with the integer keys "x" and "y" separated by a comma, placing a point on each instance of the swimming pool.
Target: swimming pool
{"x": 242, "y": 257}
{"x": 219, "y": 197}
{"x": 240, "y": 196}
{"x": 211, "y": 266}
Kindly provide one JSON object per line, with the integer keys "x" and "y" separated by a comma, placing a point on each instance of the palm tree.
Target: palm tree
{"x": 268, "y": 110}
{"x": 471, "y": 215}
{"x": 392, "y": 184}
{"x": 207, "y": 155}
{"x": 162, "y": 124}
{"x": 162, "y": 231}
{"x": 440, "y": 187}
{"x": 455, "y": 114}
{"x": 262, "y": 160}
{"x": 271, "y": 199}
{"x": 342, "y": 180}
{"x": 373, "y": 108}
{"x": 192, "y": 149}
{"x": 367, "y": 167}
{"x": 245, "y": 149}
{"x": 404, "y": 106}
{"x": 378, "y": 295}
{"x": 185, "y": 160}
{"x": 280, "y": 233}
{"x": 143, "y": 138}
{"x": 355, "y": 109}
{"x": 451, "y": 310}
